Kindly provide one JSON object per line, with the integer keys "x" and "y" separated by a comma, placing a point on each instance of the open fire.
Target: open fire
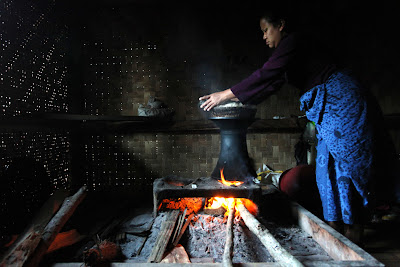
{"x": 218, "y": 202}
{"x": 204, "y": 193}
{"x": 210, "y": 198}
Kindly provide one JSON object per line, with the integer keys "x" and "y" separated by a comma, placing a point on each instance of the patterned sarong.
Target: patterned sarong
{"x": 345, "y": 145}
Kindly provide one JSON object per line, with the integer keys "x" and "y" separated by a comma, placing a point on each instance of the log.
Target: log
{"x": 183, "y": 229}
{"x": 228, "y": 249}
{"x": 27, "y": 241}
{"x": 274, "y": 248}
{"x": 163, "y": 237}
{"x": 55, "y": 225}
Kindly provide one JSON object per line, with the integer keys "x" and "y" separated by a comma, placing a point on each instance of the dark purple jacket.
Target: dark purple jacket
{"x": 293, "y": 61}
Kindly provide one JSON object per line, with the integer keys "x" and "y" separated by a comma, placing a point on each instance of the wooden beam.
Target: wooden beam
{"x": 335, "y": 244}
{"x": 268, "y": 240}
{"x": 55, "y": 225}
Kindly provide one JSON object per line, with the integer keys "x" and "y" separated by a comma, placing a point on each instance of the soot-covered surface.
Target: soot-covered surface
{"x": 205, "y": 238}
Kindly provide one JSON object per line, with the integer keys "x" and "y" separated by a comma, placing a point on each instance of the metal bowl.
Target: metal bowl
{"x": 230, "y": 110}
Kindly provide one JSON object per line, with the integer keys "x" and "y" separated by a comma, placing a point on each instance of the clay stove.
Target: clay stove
{"x": 233, "y": 119}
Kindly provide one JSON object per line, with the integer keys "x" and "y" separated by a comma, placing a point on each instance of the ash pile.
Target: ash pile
{"x": 200, "y": 237}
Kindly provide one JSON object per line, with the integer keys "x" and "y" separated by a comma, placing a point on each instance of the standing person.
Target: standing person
{"x": 350, "y": 145}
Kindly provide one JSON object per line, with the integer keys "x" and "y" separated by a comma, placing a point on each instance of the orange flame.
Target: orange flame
{"x": 228, "y": 183}
{"x": 217, "y": 202}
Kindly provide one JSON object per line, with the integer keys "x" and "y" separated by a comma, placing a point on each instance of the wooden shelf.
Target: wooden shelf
{"x": 132, "y": 124}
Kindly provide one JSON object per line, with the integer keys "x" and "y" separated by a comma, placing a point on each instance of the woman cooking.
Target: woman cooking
{"x": 345, "y": 115}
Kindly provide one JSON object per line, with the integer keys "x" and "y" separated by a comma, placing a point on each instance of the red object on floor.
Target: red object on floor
{"x": 299, "y": 183}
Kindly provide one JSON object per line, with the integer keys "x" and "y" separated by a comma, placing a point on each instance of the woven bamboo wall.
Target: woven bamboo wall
{"x": 117, "y": 81}
{"x": 50, "y": 148}
{"x": 33, "y": 80}
{"x": 124, "y": 64}
{"x": 138, "y": 159}
{"x": 127, "y": 58}
{"x": 33, "y": 67}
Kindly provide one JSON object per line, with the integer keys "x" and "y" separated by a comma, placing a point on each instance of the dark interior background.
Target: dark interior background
{"x": 107, "y": 57}
{"x": 195, "y": 48}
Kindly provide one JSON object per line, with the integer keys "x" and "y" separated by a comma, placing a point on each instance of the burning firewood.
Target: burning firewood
{"x": 228, "y": 250}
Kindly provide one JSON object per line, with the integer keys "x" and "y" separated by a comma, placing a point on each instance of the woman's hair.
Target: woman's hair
{"x": 276, "y": 17}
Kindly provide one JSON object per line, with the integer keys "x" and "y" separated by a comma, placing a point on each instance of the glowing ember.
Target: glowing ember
{"x": 228, "y": 183}
{"x": 193, "y": 205}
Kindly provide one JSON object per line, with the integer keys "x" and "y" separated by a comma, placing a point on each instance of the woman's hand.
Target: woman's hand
{"x": 215, "y": 99}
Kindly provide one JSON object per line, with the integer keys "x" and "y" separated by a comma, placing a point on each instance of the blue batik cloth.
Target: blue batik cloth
{"x": 344, "y": 151}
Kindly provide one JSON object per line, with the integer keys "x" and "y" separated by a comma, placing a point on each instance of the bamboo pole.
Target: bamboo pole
{"x": 274, "y": 248}
{"x": 228, "y": 250}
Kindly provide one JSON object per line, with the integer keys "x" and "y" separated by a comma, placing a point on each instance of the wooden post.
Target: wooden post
{"x": 227, "y": 256}
{"x": 272, "y": 245}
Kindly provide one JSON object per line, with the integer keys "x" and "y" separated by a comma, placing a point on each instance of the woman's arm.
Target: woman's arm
{"x": 216, "y": 99}
{"x": 261, "y": 83}
{"x": 268, "y": 79}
